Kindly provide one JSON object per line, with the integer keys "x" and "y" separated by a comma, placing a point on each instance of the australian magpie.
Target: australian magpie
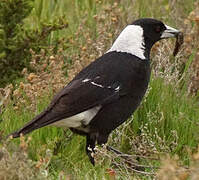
{"x": 105, "y": 93}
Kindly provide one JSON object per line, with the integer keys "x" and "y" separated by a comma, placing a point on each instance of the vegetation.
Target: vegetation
{"x": 16, "y": 40}
{"x": 162, "y": 133}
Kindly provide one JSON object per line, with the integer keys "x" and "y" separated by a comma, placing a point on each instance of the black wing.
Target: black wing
{"x": 76, "y": 97}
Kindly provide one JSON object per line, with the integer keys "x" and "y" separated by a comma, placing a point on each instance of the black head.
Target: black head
{"x": 154, "y": 30}
{"x": 139, "y": 37}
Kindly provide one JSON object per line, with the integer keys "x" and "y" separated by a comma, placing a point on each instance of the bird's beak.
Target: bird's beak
{"x": 169, "y": 32}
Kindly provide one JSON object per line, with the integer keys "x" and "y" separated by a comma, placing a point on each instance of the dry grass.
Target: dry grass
{"x": 15, "y": 164}
{"x": 172, "y": 168}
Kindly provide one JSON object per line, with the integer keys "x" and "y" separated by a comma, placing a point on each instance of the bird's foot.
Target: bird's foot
{"x": 90, "y": 152}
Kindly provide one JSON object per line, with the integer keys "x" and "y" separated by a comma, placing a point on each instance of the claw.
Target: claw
{"x": 90, "y": 152}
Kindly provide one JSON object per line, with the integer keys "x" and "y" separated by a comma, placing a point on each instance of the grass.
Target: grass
{"x": 166, "y": 112}
{"x": 165, "y": 123}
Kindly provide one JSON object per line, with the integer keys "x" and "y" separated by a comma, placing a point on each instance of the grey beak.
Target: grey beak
{"x": 169, "y": 32}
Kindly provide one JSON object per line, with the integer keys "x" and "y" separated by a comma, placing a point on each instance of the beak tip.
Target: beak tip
{"x": 170, "y": 32}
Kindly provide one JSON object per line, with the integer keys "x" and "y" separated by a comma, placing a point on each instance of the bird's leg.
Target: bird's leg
{"x": 90, "y": 145}
{"x": 102, "y": 139}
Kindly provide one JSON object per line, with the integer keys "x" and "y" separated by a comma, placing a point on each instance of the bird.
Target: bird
{"x": 105, "y": 94}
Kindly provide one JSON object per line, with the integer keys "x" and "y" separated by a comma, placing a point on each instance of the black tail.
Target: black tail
{"x": 31, "y": 126}
{"x": 43, "y": 119}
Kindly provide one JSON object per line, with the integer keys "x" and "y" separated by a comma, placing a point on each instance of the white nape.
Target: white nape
{"x": 131, "y": 41}
{"x": 78, "y": 120}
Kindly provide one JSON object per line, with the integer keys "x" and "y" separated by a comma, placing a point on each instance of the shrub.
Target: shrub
{"x": 16, "y": 40}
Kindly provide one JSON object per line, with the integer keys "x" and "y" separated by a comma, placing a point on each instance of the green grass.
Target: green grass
{"x": 170, "y": 120}
{"x": 169, "y": 110}
{"x": 167, "y": 118}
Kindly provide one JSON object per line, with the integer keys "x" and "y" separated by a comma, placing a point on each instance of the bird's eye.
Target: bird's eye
{"x": 158, "y": 29}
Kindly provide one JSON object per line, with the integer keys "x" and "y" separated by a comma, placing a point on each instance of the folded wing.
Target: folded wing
{"x": 78, "y": 96}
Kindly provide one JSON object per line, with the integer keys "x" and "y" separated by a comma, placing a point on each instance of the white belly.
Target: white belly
{"x": 78, "y": 120}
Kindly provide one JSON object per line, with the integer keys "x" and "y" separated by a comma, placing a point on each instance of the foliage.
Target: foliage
{"x": 17, "y": 165}
{"x": 16, "y": 40}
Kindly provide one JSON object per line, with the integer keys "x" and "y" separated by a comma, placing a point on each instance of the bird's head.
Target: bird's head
{"x": 154, "y": 30}
{"x": 139, "y": 37}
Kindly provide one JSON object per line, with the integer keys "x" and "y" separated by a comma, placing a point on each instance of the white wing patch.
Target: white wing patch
{"x": 100, "y": 85}
{"x": 117, "y": 88}
{"x": 95, "y": 84}
{"x": 131, "y": 41}
{"x": 86, "y": 80}
{"x": 78, "y": 120}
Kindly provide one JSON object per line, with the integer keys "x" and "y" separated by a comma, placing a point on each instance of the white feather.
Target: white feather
{"x": 117, "y": 88}
{"x": 86, "y": 80}
{"x": 95, "y": 84}
{"x": 131, "y": 41}
{"x": 78, "y": 120}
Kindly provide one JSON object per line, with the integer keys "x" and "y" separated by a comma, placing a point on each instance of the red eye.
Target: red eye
{"x": 158, "y": 29}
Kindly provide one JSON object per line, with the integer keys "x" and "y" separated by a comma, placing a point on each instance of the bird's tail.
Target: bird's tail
{"x": 43, "y": 119}
{"x": 30, "y": 126}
